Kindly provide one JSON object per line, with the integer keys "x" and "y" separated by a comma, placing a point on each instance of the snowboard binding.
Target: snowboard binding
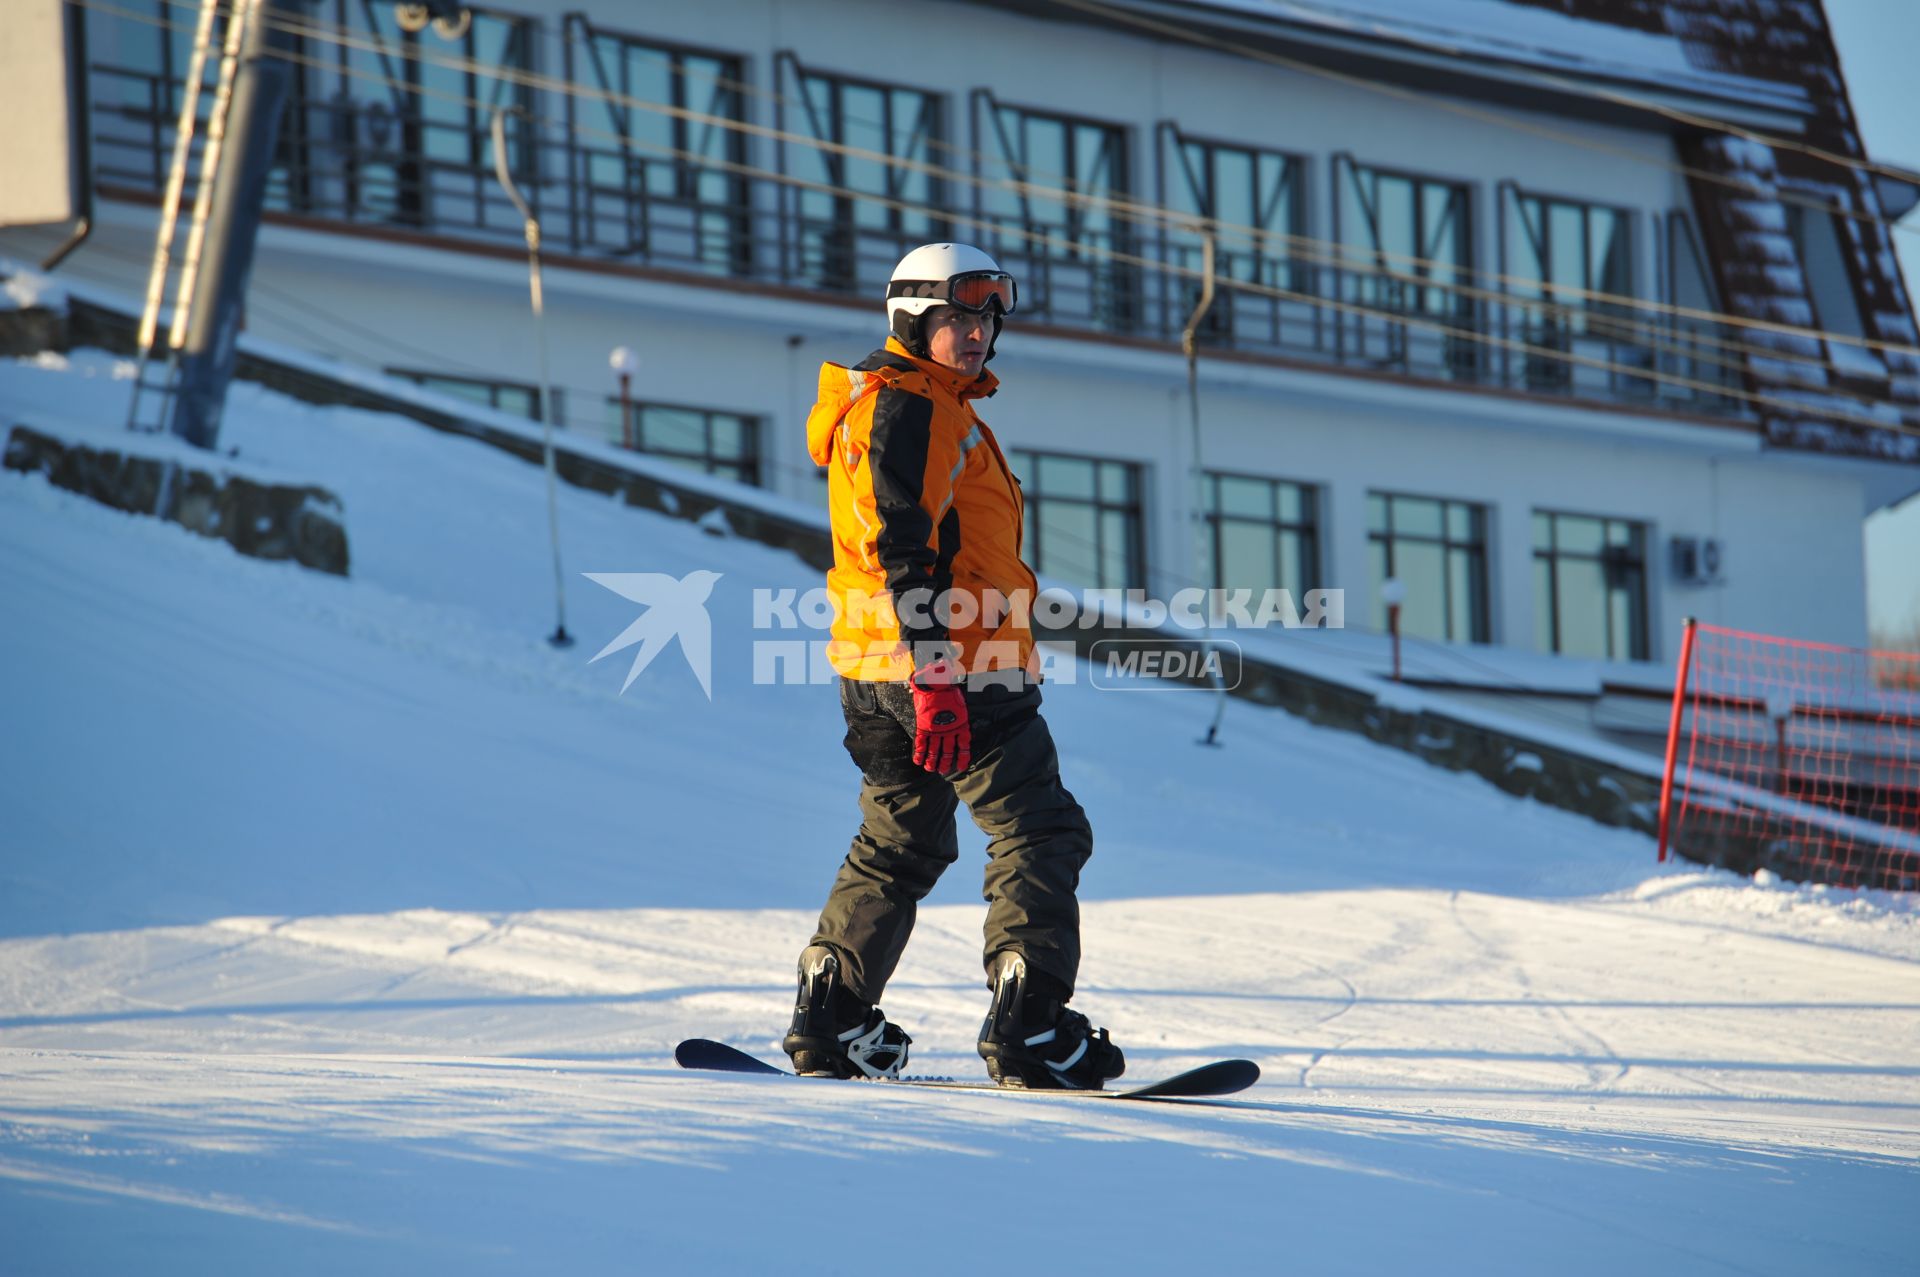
{"x": 1030, "y": 1038}
{"x": 834, "y": 1033}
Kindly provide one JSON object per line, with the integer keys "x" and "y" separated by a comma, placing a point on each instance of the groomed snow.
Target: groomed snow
{"x": 346, "y": 926}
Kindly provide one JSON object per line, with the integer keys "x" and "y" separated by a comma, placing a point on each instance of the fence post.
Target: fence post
{"x": 1673, "y": 731}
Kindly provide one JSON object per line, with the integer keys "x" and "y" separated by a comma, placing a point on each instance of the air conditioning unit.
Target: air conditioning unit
{"x": 1695, "y": 560}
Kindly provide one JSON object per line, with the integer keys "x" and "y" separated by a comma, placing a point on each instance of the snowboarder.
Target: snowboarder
{"x": 940, "y": 690}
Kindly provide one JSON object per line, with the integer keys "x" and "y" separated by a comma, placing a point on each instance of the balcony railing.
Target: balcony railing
{"x": 359, "y": 162}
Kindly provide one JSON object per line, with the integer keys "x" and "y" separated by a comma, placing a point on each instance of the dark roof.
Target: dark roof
{"x": 1744, "y": 221}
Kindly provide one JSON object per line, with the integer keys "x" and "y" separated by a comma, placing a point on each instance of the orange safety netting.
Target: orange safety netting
{"x": 1803, "y": 758}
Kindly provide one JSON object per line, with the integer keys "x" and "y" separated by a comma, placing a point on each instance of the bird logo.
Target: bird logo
{"x": 675, "y": 608}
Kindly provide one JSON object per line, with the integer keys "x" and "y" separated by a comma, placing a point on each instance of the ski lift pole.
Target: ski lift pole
{"x": 559, "y": 637}
{"x": 1190, "y": 342}
{"x": 203, "y": 41}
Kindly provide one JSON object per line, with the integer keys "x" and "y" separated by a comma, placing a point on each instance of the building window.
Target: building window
{"x": 453, "y": 110}
{"x": 408, "y": 136}
{"x": 1689, "y": 284}
{"x": 1563, "y": 252}
{"x": 1263, "y": 534}
{"x": 1083, "y": 519}
{"x": 383, "y": 125}
{"x": 1046, "y": 201}
{"x": 1700, "y": 346}
{"x": 665, "y": 185}
{"x": 1257, "y": 200}
{"x": 726, "y": 444}
{"x": 849, "y": 237}
{"x": 1571, "y": 249}
{"x": 1836, "y": 306}
{"x": 1407, "y": 250}
{"x": 136, "y": 98}
{"x": 1438, "y": 549}
{"x": 1590, "y": 586}
{"x": 508, "y": 396}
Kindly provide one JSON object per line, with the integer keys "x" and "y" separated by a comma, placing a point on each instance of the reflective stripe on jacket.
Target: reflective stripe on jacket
{"x": 925, "y": 512}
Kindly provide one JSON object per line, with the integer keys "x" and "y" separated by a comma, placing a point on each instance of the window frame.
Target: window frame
{"x": 1701, "y": 351}
{"x": 428, "y": 379}
{"x": 791, "y": 76}
{"x": 752, "y": 428}
{"x": 1308, "y": 529}
{"x": 1480, "y": 621}
{"x": 1380, "y": 333}
{"x": 1113, "y": 304}
{"x": 1639, "y": 628}
{"x": 418, "y": 195}
{"x": 1282, "y": 269}
{"x": 357, "y": 139}
{"x": 1797, "y": 214}
{"x": 1035, "y": 497}
{"x": 1467, "y": 268}
{"x": 1629, "y": 216}
{"x": 1615, "y": 323}
{"x": 580, "y": 35}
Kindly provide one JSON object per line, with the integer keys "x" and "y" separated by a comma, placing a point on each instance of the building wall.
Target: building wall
{"x": 1792, "y": 527}
{"x": 1793, "y": 565}
{"x": 956, "y": 48}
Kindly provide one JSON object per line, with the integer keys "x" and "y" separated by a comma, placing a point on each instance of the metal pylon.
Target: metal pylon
{"x": 153, "y": 395}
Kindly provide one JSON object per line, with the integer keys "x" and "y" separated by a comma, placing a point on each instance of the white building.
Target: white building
{"x": 1452, "y": 243}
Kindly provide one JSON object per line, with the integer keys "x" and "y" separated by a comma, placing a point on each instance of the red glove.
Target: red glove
{"x": 942, "y": 742}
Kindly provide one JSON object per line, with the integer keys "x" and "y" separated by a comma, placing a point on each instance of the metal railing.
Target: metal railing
{"x": 360, "y": 162}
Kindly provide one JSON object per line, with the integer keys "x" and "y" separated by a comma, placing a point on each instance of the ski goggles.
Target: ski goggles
{"x": 970, "y": 291}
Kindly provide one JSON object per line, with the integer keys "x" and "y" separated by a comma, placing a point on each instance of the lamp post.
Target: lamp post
{"x": 1393, "y": 592}
{"x": 624, "y": 363}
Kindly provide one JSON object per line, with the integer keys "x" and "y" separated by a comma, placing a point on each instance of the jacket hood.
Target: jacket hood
{"x": 842, "y": 387}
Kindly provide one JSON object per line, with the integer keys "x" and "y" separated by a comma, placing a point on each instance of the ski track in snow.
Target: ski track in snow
{"x": 343, "y": 924}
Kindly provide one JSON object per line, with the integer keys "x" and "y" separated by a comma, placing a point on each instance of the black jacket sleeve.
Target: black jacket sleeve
{"x": 918, "y": 566}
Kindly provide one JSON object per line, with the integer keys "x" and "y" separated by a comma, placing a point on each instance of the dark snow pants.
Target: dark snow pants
{"x": 1038, "y": 836}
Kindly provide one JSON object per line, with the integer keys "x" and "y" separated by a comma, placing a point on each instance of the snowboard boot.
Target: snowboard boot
{"x": 1031, "y": 1039}
{"x": 834, "y": 1033}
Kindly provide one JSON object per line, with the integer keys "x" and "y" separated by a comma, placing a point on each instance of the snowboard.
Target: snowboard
{"x": 1209, "y": 1081}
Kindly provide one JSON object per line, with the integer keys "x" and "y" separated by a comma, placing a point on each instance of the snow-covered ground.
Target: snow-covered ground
{"x": 347, "y": 926}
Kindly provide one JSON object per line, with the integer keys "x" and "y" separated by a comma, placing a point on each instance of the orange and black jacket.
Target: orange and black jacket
{"x": 923, "y": 504}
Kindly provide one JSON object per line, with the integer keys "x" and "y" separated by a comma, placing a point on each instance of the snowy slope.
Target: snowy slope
{"x": 343, "y": 923}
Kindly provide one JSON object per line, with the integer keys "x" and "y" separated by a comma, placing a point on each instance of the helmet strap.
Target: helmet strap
{"x": 910, "y": 331}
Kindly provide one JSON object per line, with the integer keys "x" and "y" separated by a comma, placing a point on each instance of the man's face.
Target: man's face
{"x": 958, "y": 339}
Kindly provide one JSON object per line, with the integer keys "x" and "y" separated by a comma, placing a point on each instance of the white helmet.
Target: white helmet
{"x": 957, "y": 275}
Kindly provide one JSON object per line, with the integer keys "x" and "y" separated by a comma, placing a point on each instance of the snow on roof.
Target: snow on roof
{"x": 1539, "y": 38}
